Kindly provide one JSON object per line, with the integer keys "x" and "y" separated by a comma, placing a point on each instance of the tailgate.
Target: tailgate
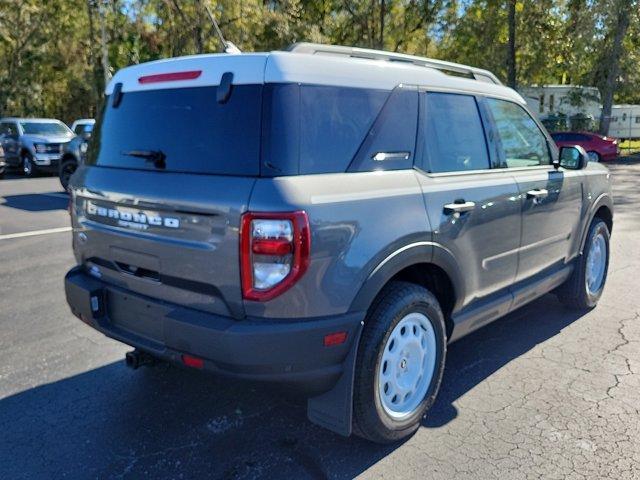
{"x": 175, "y": 238}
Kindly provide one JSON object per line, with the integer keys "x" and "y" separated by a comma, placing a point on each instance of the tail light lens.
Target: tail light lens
{"x": 274, "y": 252}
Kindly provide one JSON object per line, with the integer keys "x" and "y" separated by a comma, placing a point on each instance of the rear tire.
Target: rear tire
{"x": 400, "y": 363}
{"x": 584, "y": 287}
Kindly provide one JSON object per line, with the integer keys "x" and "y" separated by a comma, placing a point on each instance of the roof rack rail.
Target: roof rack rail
{"x": 478, "y": 74}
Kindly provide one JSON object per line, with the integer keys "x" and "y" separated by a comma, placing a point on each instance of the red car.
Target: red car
{"x": 598, "y": 147}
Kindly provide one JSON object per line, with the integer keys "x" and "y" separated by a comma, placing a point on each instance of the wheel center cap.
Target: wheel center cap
{"x": 403, "y": 363}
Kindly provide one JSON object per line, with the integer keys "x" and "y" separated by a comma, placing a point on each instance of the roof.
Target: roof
{"x": 556, "y": 86}
{"x": 292, "y": 67}
{"x": 26, "y": 119}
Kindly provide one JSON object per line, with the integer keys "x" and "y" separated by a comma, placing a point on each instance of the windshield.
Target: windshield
{"x": 44, "y": 128}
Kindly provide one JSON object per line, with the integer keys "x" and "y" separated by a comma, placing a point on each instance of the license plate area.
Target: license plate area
{"x": 136, "y": 315}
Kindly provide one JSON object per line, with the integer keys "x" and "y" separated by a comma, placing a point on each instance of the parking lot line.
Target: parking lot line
{"x": 34, "y": 233}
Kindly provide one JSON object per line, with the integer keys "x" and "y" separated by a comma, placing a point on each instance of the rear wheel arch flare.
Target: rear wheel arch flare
{"x": 425, "y": 264}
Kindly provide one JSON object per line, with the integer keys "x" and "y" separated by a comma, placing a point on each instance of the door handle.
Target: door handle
{"x": 538, "y": 193}
{"x": 460, "y": 207}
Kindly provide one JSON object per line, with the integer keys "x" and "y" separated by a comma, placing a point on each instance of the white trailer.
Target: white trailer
{"x": 567, "y": 100}
{"x": 625, "y": 121}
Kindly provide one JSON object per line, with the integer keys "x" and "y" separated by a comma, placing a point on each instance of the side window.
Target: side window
{"x": 333, "y": 123}
{"x": 522, "y": 141}
{"x": 453, "y": 135}
{"x": 390, "y": 142}
{"x": 7, "y": 128}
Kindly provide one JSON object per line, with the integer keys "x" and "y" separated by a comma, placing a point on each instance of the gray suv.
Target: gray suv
{"x": 328, "y": 218}
{"x": 33, "y": 144}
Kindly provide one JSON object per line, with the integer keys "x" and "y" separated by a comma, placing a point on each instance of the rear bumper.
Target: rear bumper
{"x": 282, "y": 351}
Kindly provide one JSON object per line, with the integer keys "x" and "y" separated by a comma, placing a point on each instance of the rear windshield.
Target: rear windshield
{"x": 187, "y": 126}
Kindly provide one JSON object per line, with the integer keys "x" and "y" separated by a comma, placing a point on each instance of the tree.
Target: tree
{"x": 611, "y": 60}
{"x": 511, "y": 55}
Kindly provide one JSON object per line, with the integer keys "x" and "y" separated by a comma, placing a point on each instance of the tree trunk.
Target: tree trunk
{"x": 382, "y": 14}
{"x": 511, "y": 51}
{"x": 106, "y": 70}
{"x": 95, "y": 70}
{"x": 623, "y": 7}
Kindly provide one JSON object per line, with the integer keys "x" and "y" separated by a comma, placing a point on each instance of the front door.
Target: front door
{"x": 551, "y": 199}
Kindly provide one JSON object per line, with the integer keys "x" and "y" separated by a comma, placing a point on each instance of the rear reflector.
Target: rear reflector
{"x": 272, "y": 247}
{"x": 336, "y": 338}
{"x": 193, "y": 362}
{"x": 170, "y": 77}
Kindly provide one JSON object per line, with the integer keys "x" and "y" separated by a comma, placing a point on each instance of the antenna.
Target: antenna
{"x": 229, "y": 47}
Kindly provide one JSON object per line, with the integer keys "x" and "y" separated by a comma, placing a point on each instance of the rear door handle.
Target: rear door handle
{"x": 460, "y": 207}
{"x": 538, "y": 193}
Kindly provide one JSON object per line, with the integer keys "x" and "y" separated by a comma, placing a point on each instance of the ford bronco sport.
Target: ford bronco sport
{"x": 328, "y": 218}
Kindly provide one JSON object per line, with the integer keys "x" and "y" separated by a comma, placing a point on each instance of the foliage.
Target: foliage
{"x": 52, "y": 51}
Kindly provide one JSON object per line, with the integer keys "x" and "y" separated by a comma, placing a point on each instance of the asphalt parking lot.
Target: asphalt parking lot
{"x": 543, "y": 393}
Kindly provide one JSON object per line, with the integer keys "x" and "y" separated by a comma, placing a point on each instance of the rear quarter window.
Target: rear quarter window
{"x": 312, "y": 129}
{"x": 333, "y": 124}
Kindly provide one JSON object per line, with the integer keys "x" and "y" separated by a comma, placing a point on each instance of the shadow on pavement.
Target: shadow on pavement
{"x": 37, "y": 202}
{"x": 166, "y": 422}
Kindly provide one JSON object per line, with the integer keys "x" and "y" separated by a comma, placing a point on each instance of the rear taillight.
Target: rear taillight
{"x": 274, "y": 252}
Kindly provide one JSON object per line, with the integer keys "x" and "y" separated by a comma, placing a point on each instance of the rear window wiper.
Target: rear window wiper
{"x": 156, "y": 156}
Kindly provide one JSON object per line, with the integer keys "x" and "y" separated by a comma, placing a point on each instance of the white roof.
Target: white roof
{"x": 290, "y": 67}
{"x": 34, "y": 120}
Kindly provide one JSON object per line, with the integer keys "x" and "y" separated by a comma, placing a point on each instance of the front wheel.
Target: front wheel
{"x": 400, "y": 363}
{"x": 28, "y": 169}
{"x": 67, "y": 168}
{"x": 584, "y": 288}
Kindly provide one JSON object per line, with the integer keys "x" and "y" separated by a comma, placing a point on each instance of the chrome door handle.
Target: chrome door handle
{"x": 538, "y": 193}
{"x": 459, "y": 207}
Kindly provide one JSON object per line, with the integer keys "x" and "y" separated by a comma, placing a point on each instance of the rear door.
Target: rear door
{"x": 474, "y": 211}
{"x": 169, "y": 171}
{"x": 551, "y": 200}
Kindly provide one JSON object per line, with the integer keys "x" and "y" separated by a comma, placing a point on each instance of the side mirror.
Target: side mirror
{"x": 572, "y": 158}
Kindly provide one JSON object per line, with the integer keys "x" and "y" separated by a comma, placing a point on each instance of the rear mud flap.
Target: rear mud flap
{"x": 333, "y": 410}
